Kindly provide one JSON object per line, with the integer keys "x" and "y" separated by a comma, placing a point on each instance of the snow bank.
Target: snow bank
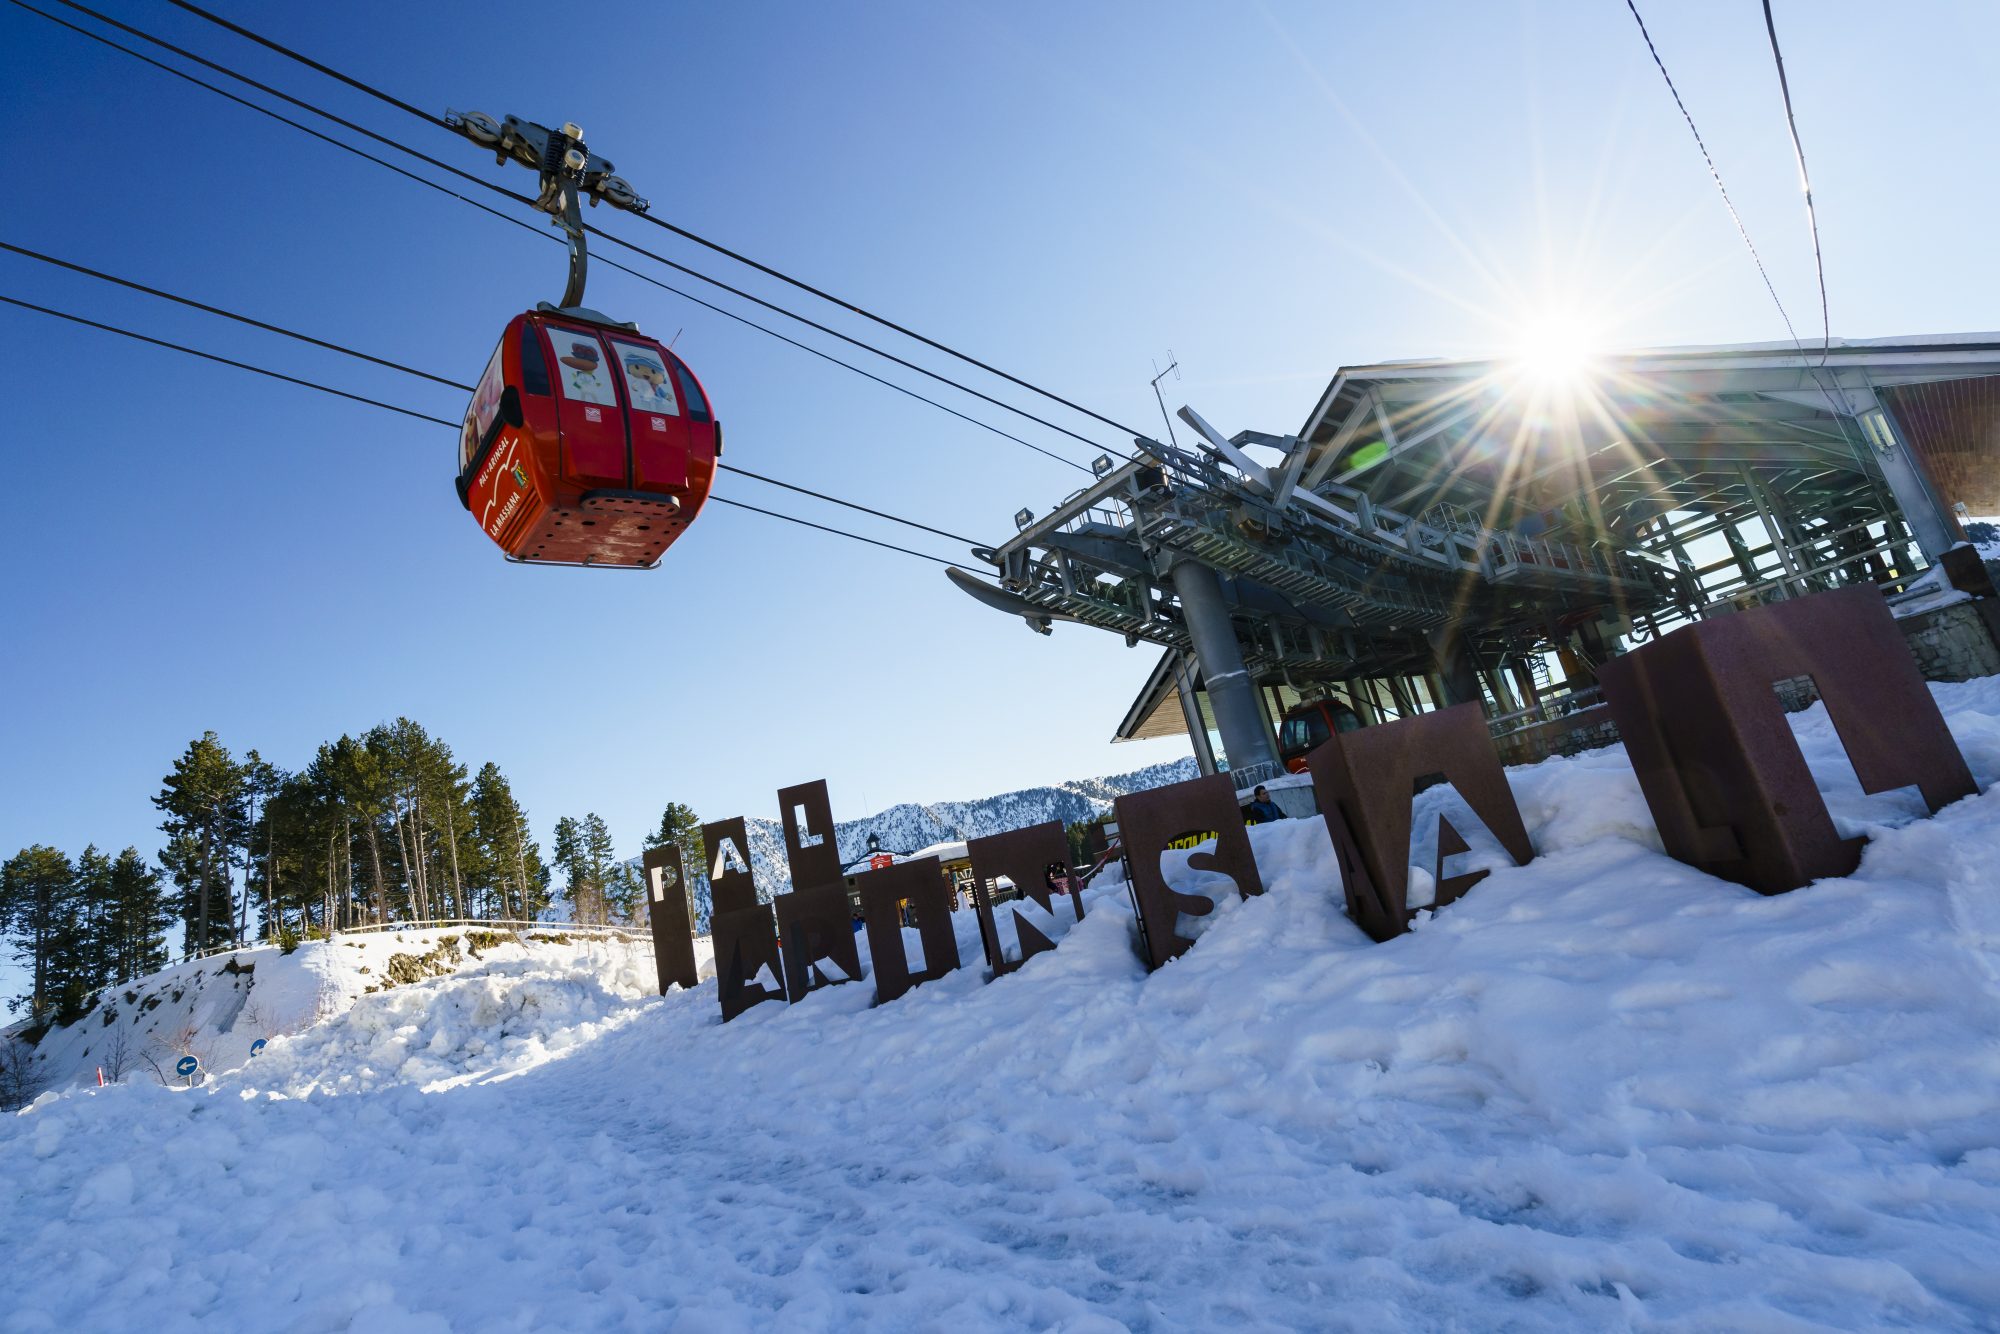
{"x": 218, "y": 1008}
{"x": 1601, "y": 1091}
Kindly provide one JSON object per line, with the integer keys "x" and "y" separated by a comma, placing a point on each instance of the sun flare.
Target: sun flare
{"x": 1555, "y": 347}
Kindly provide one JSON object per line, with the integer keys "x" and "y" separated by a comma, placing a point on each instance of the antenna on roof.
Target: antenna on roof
{"x": 1173, "y": 368}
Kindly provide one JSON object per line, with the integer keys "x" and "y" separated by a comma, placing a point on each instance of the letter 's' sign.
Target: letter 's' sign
{"x": 1148, "y": 823}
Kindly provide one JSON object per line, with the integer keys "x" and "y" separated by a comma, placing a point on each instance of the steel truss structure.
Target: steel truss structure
{"x": 1437, "y": 527}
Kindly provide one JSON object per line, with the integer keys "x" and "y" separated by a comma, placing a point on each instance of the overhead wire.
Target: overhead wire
{"x": 533, "y": 230}
{"x": 1805, "y": 183}
{"x": 446, "y": 381}
{"x": 227, "y": 314}
{"x": 593, "y": 230}
{"x": 1842, "y": 409}
{"x": 227, "y": 361}
{"x": 1714, "y": 174}
{"x": 706, "y": 243}
{"x": 455, "y": 425}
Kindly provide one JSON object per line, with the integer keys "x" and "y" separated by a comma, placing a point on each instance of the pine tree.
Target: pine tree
{"x": 680, "y": 826}
{"x": 586, "y": 901}
{"x": 38, "y": 907}
{"x": 140, "y": 915}
{"x": 261, "y": 782}
{"x": 205, "y": 800}
{"x": 508, "y": 861}
{"x": 617, "y": 885}
{"x": 94, "y": 914}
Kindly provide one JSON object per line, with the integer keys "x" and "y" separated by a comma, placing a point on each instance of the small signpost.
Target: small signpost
{"x": 257, "y": 1046}
{"x": 185, "y": 1068}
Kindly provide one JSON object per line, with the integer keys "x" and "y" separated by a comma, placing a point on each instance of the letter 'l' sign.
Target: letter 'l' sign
{"x": 809, "y": 843}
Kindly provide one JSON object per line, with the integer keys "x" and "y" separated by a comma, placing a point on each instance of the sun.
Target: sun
{"x": 1555, "y": 347}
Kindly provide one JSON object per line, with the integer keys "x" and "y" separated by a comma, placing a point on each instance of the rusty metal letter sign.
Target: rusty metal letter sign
{"x": 747, "y": 967}
{"x": 809, "y": 843}
{"x": 1716, "y": 758}
{"x": 816, "y": 927}
{"x": 1148, "y": 822}
{"x": 730, "y": 885}
{"x": 671, "y": 916}
{"x": 1023, "y": 856}
{"x": 883, "y": 893}
{"x": 1365, "y": 780}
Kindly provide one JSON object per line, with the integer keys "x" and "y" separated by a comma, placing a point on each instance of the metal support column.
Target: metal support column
{"x": 1455, "y": 674}
{"x": 1231, "y": 694}
{"x": 1930, "y": 520}
{"x": 1184, "y": 686}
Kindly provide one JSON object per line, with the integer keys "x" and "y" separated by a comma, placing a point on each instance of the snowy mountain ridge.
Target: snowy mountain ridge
{"x": 910, "y": 826}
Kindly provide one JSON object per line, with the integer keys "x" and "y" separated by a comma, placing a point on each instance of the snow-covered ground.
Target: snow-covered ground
{"x": 1603, "y": 1091}
{"x": 217, "y": 1008}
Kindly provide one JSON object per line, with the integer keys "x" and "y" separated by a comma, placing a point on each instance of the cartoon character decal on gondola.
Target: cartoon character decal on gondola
{"x": 646, "y": 381}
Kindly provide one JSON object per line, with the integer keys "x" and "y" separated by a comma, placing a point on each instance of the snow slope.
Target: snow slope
{"x": 1603, "y": 1091}
{"x": 216, "y": 1008}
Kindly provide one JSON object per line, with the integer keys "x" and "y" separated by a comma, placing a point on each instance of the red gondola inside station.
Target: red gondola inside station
{"x": 587, "y": 443}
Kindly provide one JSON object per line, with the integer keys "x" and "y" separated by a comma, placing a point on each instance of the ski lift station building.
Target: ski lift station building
{"x": 1440, "y": 531}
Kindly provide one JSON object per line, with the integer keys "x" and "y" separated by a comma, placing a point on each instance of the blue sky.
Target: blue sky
{"x": 1067, "y": 190}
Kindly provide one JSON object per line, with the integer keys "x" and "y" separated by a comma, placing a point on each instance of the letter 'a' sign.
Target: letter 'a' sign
{"x": 748, "y": 969}
{"x": 1024, "y": 857}
{"x": 920, "y": 886}
{"x": 671, "y": 917}
{"x": 1715, "y": 755}
{"x": 730, "y": 884}
{"x": 1148, "y": 822}
{"x": 1365, "y": 780}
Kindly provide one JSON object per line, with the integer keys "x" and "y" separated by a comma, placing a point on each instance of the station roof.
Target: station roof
{"x": 1652, "y": 430}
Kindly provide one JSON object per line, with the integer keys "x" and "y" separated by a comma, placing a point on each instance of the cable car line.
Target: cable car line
{"x": 230, "y": 315}
{"x": 438, "y": 379}
{"x": 516, "y": 221}
{"x": 228, "y": 361}
{"x": 1841, "y": 410}
{"x": 835, "y": 500}
{"x": 454, "y": 425}
{"x": 682, "y": 232}
{"x": 842, "y": 532}
{"x": 593, "y": 230}
{"x": 1714, "y": 174}
{"x": 1805, "y": 181}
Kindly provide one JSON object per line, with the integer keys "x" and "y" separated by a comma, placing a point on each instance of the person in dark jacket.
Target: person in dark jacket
{"x": 1262, "y": 810}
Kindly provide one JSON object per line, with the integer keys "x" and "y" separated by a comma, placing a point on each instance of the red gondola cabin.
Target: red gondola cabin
{"x": 587, "y": 443}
